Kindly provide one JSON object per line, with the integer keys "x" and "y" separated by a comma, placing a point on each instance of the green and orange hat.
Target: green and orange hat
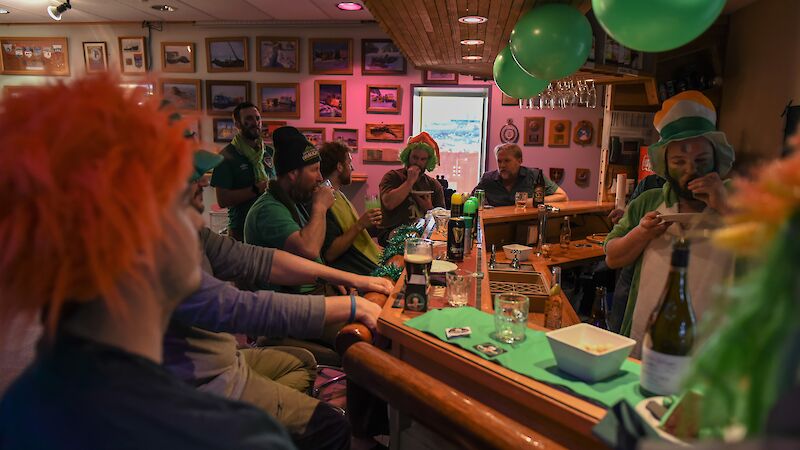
{"x": 684, "y": 116}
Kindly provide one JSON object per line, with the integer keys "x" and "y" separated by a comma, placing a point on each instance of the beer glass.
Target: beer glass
{"x": 521, "y": 199}
{"x": 418, "y": 257}
{"x": 458, "y": 286}
{"x": 510, "y": 317}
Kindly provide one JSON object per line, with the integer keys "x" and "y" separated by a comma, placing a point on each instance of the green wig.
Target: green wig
{"x": 432, "y": 159}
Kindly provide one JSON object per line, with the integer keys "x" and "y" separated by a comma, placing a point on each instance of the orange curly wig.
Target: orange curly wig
{"x": 87, "y": 171}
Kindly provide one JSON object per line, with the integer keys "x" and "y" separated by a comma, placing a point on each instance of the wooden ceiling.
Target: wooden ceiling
{"x": 430, "y": 35}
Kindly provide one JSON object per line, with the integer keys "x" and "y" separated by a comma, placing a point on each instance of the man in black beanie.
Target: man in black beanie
{"x": 291, "y": 215}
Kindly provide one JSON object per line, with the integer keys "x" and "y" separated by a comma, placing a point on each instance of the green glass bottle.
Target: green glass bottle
{"x": 670, "y": 335}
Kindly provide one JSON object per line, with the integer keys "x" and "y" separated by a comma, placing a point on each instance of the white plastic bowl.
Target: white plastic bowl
{"x": 524, "y": 251}
{"x": 569, "y": 347}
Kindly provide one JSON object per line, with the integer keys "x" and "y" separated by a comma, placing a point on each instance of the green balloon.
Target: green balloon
{"x": 656, "y": 25}
{"x": 551, "y": 41}
{"x": 512, "y": 80}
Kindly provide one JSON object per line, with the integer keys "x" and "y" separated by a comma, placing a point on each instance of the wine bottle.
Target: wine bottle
{"x": 538, "y": 190}
{"x": 670, "y": 333}
{"x": 599, "y": 314}
{"x": 552, "y": 313}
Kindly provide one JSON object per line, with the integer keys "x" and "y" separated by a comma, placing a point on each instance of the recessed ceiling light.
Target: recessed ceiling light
{"x": 4, "y": 11}
{"x": 472, "y": 42}
{"x": 350, "y": 6}
{"x": 55, "y": 12}
{"x": 472, "y": 58}
{"x": 165, "y": 8}
{"x": 472, "y": 19}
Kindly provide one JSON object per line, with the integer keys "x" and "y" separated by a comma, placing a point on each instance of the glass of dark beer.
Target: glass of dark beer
{"x": 418, "y": 258}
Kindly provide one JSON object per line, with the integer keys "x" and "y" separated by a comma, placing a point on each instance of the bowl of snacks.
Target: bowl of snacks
{"x": 523, "y": 251}
{"x": 587, "y": 352}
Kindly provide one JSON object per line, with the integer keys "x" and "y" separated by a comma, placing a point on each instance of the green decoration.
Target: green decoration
{"x": 656, "y": 25}
{"x": 391, "y": 270}
{"x": 396, "y": 244}
{"x": 551, "y": 41}
{"x": 512, "y": 80}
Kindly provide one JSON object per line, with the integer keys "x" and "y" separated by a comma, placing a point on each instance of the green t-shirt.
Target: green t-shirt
{"x": 269, "y": 224}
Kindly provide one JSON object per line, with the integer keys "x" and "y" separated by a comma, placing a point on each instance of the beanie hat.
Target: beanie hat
{"x": 292, "y": 150}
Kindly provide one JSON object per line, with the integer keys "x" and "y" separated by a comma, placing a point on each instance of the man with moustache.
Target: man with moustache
{"x": 693, "y": 157}
{"x": 246, "y": 169}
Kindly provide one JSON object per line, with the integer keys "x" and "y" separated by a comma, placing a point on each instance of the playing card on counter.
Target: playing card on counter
{"x": 457, "y": 332}
{"x": 489, "y": 349}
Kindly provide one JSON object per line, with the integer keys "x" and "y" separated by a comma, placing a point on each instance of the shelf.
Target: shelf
{"x": 358, "y": 178}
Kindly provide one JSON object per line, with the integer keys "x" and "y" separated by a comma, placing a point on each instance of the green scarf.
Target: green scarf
{"x": 256, "y": 157}
{"x": 346, "y": 217}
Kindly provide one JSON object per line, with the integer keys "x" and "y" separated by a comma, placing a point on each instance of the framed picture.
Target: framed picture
{"x": 330, "y": 56}
{"x": 382, "y": 132}
{"x": 35, "y": 56}
{"x": 224, "y": 129}
{"x": 381, "y": 57}
{"x": 277, "y": 54}
{"x": 584, "y": 133}
{"x": 178, "y": 57}
{"x": 268, "y": 127}
{"x": 348, "y": 136}
{"x": 316, "y": 136}
{"x": 329, "y": 98}
{"x": 227, "y": 54}
{"x": 435, "y": 77}
{"x": 582, "y": 177}
{"x": 95, "y": 57}
{"x": 534, "y": 131}
{"x": 183, "y": 93}
{"x": 559, "y": 133}
{"x": 557, "y": 174}
{"x": 133, "y": 55}
{"x": 223, "y": 96}
{"x": 381, "y": 156}
{"x": 279, "y": 99}
{"x": 193, "y": 125}
{"x": 383, "y": 99}
{"x": 508, "y": 101}
{"x": 138, "y": 89}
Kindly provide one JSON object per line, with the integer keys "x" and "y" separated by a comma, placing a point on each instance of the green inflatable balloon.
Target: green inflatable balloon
{"x": 512, "y": 80}
{"x": 656, "y": 25}
{"x": 551, "y": 41}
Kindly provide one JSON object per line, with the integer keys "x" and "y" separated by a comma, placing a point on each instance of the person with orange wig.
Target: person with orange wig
{"x": 100, "y": 241}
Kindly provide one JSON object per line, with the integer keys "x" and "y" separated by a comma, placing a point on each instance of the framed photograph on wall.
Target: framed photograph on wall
{"x": 381, "y": 156}
{"x": 227, "y": 54}
{"x": 222, "y": 96}
{"x": 268, "y": 127}
{"x": 185, "y": 94}
{"x": 436, "y": 77}
{"x": 95, "y": 57}
{"x": 348, "y": 136}
{"x": 133, "y": 55}
{"x": 279, "y": 99}
{"x": 330, "y": 101}
{"x": 35, "y": 56}
{"x": 277, "y": 54}
{"x": 383, "y": 99}
{"x": 330, "y": 56}
{"x": 381, "y": 57}
{"x": 178, "y": 57}
{"x": 559, "y": 133}
{"x": 534, "y": 131}
{"x": 382, "y": 132}
{"x": 224, "y": 129}
{"x": 316, "y": 136}
{"x": 584, "y": 133}
{"x": 193, "y": 124}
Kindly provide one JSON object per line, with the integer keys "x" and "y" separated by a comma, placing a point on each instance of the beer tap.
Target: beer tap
{"x": 492, "y": 258}
{"x": 515, "y": 261}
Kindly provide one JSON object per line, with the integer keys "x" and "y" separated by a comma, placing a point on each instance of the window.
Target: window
{"x": 457, "y": 118}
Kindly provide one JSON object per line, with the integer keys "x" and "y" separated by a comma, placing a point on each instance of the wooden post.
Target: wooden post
{"x": 606, "y": 143}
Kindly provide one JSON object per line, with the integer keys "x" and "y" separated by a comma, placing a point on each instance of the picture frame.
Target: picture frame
{"x": 437, "y": 77}
{"x": 222, "y": 96}
{"x": 143, "y": 89}
{"x": 508, "y": 101}
{"x": 178, "y": 57}
{"x": 381, "y": 132}
{"x": 185, "y": 94}
{"x": 584, "y": 133}
{"x": 95, "y": 57}
{"x": 330, "y": 56}
{"x": 132, "y": 55}
{"x": 348, "y": 136}
{"x": 330, "y": 100}
{"x": 281, "y": 100}
{"x": 583, "y": 177}
{"x": 277, "y": 54}
{"x": 48, "y": 56}
{"x": 315, "y": 135}
{"x": 227, "y": 54}
{"x": 381, "y": 156}
{"x": 384, "y": 99}
{"x": 193, "y": 124}
{"x": 224, "y": 129}
{"x": 558, "y": 133}
{"x": 557, "y": 175}
{"x": 534, "y": 131}
{"x": 381, "y": 57}
{"x": 268, "y": 127}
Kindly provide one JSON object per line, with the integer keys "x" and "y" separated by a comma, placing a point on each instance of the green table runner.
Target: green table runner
{"x": 532, "y": 357}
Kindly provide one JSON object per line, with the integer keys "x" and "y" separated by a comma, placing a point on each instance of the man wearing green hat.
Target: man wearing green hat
{"x": 693, "y": 157}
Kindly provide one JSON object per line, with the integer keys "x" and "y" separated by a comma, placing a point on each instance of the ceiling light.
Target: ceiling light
{"x": 55, "y": 12}
{"x": 4, "y": 11}
{"x": 472, "y": 42}
{"x": 165, "y": 8}
{"x": 472, "y": 58}
{"x": 472, "y": 19}
{"x": 349, "y": 6}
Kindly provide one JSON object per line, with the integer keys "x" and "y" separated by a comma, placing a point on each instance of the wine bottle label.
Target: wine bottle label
{"x": 662, "y": 374}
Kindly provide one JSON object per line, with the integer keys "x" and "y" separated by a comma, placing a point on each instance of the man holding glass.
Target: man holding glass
{"x": 502, "y": 185}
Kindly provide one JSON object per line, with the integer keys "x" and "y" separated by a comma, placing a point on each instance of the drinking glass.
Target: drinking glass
{"x": 521, "y": 200}
{"x": 418, "y": 258}
{"x": 371, "y": 202}
{"x": 510, "y": 317}
{"x": 458, "y": 287}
